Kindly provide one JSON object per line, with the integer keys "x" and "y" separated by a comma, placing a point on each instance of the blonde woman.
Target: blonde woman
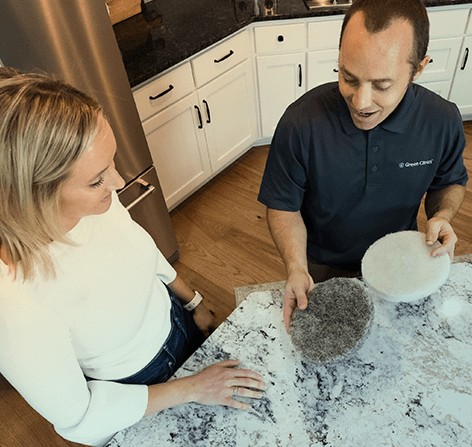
{"x": 92, "y": 322}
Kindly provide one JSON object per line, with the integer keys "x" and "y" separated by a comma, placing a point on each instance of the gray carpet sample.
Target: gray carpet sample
{"x": 334, "y": 324}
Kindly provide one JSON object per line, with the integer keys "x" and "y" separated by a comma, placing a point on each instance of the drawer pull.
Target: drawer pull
{"x": 335, "y": 70}
{"x": 299, "y": 75}
{"x": 208, "y": 112}
{"x": 171, "y": 87}
{"x": 280, "y": 38}
{"x": 217, "y": 61}
{"x": 465, "y": 59}
{"x": 430, "y": 61}
{"x": 149, "y": 189}
{"x": 200, "y": 126}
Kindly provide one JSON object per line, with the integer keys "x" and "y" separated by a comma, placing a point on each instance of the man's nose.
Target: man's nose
{"x": 362, "y": 98}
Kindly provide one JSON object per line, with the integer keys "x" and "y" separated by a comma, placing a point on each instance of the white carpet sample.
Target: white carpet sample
{"x": 399, "y": 267}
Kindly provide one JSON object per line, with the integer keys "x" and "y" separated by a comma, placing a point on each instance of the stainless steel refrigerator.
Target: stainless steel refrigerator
{"x": 74, "y": 40}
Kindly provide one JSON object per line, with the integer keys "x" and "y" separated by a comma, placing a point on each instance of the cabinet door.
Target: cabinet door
{"x": 443, "y": 53}
{"x": 178, "y": 149}
{"x": 322, "y": 67}
{"x": 281, "y": 81}
{"x": 229, "y": 114}
{"x": 461, "y": 91}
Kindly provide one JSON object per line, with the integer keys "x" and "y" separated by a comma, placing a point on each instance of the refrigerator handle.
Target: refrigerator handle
{"x": 149, "y": 189}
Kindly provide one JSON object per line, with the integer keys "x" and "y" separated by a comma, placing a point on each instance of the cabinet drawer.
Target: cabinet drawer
{"x": 283, "y": 38}
{"x": 447, "y": 23}
{"x": 324, "y": 35}
{"x": 221, "y": 58}
{"x": 164, "y": 91}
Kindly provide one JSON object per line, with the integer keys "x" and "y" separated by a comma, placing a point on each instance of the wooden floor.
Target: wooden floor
{"x": 224, "y": 243}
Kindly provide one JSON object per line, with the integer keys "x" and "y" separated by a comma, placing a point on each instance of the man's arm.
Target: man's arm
{"x": 441, "y": 206}
{"x": 289, "y": 233}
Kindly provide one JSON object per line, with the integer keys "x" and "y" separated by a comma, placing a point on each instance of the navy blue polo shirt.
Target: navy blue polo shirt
{"x": 354, "y": 186}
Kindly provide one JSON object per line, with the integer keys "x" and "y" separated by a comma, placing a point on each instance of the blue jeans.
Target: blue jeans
{"x": 183, "y": 340}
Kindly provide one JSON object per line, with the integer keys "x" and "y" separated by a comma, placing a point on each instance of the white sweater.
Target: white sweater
{"x": 106, "y": 315}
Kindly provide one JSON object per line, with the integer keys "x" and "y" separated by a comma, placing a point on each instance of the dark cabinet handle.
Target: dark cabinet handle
{"x": 208, "y": 112}
{"x": 299, "y": 75}
{"x": 280, "y": 38}
{"x": 171, "y": 87}
{"x": 199, "y": 118}
{"x": 335, "y": 70}
{"x": 430, "y": 61}
{"x": 217, "y": 61}
{"x": 465, "y": 59}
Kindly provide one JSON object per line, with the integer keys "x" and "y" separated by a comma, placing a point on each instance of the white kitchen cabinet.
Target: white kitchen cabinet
{"x": 200, "y": 116}
{"x": 228, "y": 110}
{"x": 178, "y": 149}
{"x": 281, "y": 70}
{"x": 461, "y": 92}
{"x": 322, "y": 67}
{"x": 281, "y": 80}
{"x": 444, "y": 54}
{"x": 322, "y": 64}
{"x": 164, "y": 91}
{"x": 221, "y": 58}
{"x": 199, "y": 135}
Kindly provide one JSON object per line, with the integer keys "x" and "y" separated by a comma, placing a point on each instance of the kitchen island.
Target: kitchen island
{"x": 410, "y": 384}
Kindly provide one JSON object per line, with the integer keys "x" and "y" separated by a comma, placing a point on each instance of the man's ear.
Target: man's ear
{"x": 421, "y": 67}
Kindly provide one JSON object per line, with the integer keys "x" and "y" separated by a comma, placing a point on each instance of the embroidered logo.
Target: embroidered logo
{"x": 415, "y": 164}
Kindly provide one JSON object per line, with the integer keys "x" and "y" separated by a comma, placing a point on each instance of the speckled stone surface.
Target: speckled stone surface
{"x": 410, "y": 384}
{"x": 168, "y": 32}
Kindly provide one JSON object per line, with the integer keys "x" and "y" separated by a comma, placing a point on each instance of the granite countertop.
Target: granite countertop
{"x": 168, "y": 32}
{"x": 410, "y": 384}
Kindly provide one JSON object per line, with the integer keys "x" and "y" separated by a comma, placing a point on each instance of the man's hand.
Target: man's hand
{"x": 299, "y": 283}
{"x": 439, "y": 229}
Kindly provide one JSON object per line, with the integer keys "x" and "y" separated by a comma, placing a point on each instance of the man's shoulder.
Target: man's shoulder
{"x": 318, "y": 101}
{"x": 432, "y": 104}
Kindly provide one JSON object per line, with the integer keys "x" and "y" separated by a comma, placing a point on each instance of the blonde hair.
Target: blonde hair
{"x": 45, "y": 126}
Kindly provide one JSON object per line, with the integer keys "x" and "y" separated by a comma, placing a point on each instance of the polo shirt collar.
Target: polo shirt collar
{"x": 397, "y": 122}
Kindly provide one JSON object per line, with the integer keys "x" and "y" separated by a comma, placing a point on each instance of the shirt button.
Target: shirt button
{"x": 375, "y": 148}
{"x": 374, "y": 168}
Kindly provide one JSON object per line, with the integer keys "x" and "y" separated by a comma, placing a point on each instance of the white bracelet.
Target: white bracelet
{"x": 195, "y": 302}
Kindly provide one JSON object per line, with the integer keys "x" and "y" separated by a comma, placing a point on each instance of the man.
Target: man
{"x": 350, "y": 161}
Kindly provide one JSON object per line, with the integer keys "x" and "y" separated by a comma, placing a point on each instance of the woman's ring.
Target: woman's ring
{"x": 235, "y": 392}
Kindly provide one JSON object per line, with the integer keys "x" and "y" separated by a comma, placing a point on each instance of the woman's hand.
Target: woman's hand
{"x": 204, "y": 320}
{"x": 219, "y": 383}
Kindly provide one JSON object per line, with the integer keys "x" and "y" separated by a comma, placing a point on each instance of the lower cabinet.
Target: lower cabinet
{"x": 461, "y": 91}
{"x": 228, "y": 110}
{"x": 202, "y": 133}
{"x": 322, "y": 67}
{"x": 178, "y": 149}
{"x": 281, "y": 80}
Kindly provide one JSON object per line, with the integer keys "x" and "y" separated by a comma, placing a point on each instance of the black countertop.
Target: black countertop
{"x": 168, "y": 32}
